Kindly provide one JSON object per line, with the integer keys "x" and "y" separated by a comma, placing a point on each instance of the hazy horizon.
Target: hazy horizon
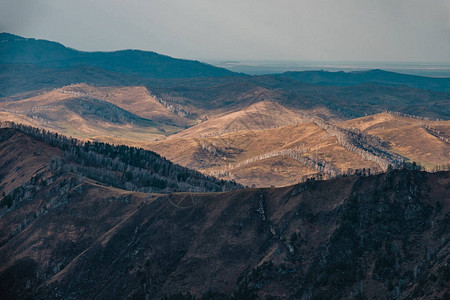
{"x": 260, "y": 67}
{"x": 271, "y": 66}
{"x": 348, "y": 30}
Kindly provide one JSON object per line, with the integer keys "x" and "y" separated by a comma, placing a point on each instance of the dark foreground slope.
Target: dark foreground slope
{"x": 66, "y": 236}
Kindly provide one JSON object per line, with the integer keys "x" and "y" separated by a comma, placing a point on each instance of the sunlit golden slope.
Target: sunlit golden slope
{"x": 277, "y": 156}
{"x": 135, "y": 99}
{"x": 263, "y": 143}
{"x": 128, "y": 115}
{"x": 423, "y": 141}
{"x": 262, "y": 115}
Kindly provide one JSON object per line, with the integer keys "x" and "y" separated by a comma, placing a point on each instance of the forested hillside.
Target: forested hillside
{"x": 124, "y": 167}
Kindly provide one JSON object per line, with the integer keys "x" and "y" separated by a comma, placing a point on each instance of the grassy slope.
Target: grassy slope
{"x": 235, "y": 132}
{"x": 62, "y": 110}
{"x": 408, "y": 137}
{"x": 261, "y": 115}
{"x": 22, "y": 157}
{"x": 212, "y": 154}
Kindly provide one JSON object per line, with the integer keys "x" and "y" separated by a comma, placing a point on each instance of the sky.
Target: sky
{"x": 315, "y": 30}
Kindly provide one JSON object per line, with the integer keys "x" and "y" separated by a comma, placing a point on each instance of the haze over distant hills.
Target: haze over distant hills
{"x": 372, "y": 76}
{"x": 261, "y": 67}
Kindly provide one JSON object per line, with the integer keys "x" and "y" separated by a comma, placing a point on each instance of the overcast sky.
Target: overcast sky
{"x": 329, "y": 30}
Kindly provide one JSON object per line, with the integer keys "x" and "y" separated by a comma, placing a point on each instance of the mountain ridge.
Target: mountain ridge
{"x": 149, "y": 64}
{"x": 341, "y": 78}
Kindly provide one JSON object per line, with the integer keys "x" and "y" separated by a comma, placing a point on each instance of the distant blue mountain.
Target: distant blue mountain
{"x": 18, "y": 50}
{"x": 372, "y": 76}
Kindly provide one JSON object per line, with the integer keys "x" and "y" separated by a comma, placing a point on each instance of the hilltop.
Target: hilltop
{"x": 97, "y": 113}
{"x": 258, "y": 116}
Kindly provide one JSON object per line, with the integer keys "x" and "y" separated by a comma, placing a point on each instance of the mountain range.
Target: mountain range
{"x": 29, "y": 65}
{"x": 254, "y": 139}
{"x": 131, "y": 174}
{"x": 258, "y": 130}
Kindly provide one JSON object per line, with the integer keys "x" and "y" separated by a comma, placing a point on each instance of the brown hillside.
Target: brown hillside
{"x": 107, "y": 113}
{"x": 22, "y": 157}
{"x": 273, "y": 171}
{"x": 374, "y": 236}
{"x": 262, "y": 115}
{"x": 135, "y": 99}
{"x": 236, "y": 139}
{"x": 228, "y": 155}
{"x": 209, "y": 148}
{"x": 423, "y": 141}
